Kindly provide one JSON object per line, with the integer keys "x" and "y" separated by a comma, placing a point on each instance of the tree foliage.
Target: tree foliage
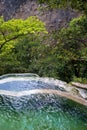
{"x": 68, "y": 58}
{"x": 74, "y": 4}
{"x": 16, "y": 28}
{"x": 12, "y": 33}
{"x": 63, "y": 57}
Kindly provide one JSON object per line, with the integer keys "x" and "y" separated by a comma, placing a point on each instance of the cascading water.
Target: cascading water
{"x": 29, "y": 102}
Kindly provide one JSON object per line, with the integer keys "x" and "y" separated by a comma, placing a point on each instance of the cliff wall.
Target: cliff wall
{"x": 54, "y": 18}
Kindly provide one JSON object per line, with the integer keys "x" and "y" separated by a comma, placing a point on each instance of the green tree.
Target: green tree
{"x": 16, "y": 28}
{"x": 73, "y": 46}
{"x": 12, "y": 33}
{"x": 68, "y": 57}
{"x": 18, "y": 57}
{"x": 74, "y": 4}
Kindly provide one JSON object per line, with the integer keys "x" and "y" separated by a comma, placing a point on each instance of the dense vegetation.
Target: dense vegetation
{"x": 80, "y": 5}
{"x": 24, "y": 47}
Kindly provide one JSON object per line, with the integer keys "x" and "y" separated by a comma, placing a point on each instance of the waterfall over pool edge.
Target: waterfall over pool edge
{"x": 28, "y": 84}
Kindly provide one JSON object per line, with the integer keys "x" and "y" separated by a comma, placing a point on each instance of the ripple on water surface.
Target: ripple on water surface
{"x": 39, "y": 111}
{"x": 56, "y": 114}
{"x": 23, "y": 84}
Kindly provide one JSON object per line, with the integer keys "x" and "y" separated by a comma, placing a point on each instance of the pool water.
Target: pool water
{"x": 25, "y": 84}
{"x": 47, "y": 117}
{"x": 40, "y": 120}
{"x": 38, "y": 111}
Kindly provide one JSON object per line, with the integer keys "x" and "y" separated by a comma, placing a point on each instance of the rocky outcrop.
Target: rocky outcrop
{"x": 77, "y": 89}
{"x": 54, "y": 18}
{"x": 79, "y": 85}
{"x": 80, "y": 88}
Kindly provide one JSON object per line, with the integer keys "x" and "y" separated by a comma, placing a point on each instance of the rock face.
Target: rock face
{"x": 8, "y": 7}
{"x": 54, "y": 18}
{"x": 81, "y": 88}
